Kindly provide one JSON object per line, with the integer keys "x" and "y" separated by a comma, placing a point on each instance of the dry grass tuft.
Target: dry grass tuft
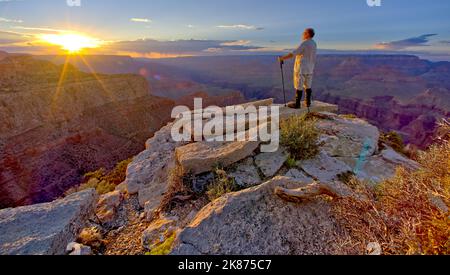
{"x": 300, "y": 136}
{"x": 222, "y": 185}
{"x": 102, "y": 181}
{"x": 179, "y": 189}
{"x": 407, "y": 214}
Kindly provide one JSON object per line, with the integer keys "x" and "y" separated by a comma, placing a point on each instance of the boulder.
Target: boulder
{"x": 45, "y": 229}
{"x": 299, "y": 176}
{"x": 379, "y": 167}
{"x": 246, "y": 174}
{"x": 324, "y": 168}
{"x": 348, "y": 137}
{"x": 271, "y": 163}
{"x": 201, "y": 157}
{"x": 107, "y": 206}
{"x": 373, "y": 169}
{"x": 152, "y": 194}
{"x": 317, "y": 107}
{"x": 257, "y": 222}
{"x": 152, "y": 166}
{"x": 392, "y": 156}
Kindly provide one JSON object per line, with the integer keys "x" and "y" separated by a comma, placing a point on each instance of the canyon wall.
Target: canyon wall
{"x": 57, "y": 123}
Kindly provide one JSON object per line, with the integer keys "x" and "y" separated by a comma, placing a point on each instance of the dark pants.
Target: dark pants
{"x": 298, "y": 98}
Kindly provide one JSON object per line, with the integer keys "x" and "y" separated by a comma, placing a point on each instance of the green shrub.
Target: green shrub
{"x": 300, "y": 136}
{"x": 346, "y": 178}
{"x": 394, "y": 140}
{"x": 103, "y": 182}
{"x": 291, "y": 162}
{"x": 165, "y": 247}
{"x": 222, "y": 185}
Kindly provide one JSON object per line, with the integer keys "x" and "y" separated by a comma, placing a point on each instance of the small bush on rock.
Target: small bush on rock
{"x": 300, "y": 136}
{"x": 221, "y": 186}
{"x": 291, "y": 162}
{"x": 102, "y": 181}
{"x": 394, "y": 140}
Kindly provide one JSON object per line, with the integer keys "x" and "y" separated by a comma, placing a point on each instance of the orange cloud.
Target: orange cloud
{"x": 153, "y": 55}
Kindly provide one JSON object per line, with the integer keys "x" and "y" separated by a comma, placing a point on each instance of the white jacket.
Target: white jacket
{"x": 305, "y": 57}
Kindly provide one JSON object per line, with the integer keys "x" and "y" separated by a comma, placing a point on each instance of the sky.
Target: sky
{"x": 172, "y": 28}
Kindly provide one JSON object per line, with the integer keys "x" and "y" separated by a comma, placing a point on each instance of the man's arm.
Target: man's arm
{"x": 286, "y": 57}
{"x": 298, "y": 51}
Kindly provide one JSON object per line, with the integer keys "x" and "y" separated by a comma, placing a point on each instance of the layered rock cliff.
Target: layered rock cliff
{"x": 57, "y": 123}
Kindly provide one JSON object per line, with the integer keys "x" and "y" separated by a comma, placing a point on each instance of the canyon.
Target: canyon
{"x": 55, "y": 129}
{"x": 400, "y": 93}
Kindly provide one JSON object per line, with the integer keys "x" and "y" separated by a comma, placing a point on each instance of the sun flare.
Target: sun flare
{"x": 71, "y": 42}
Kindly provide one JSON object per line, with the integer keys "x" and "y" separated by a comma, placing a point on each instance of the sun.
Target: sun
{"x": 71, "y": 42}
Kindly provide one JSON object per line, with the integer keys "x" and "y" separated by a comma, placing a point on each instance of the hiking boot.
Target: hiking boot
{"x": 292, "y": 105}
{"x": 298, "y": 99}
{"x": 308, "y": 97}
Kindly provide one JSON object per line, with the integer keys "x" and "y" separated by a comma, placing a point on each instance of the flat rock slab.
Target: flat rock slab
{"x": 201, "y": 157}
{"x": 45, "y": 229}
{"x": 271, "y": 163}
{"x": 393, "y": 157}
{"x": 348, "y": 137}
{"x": 317, "y": 106}
{"x": 324, "y": 168}
{"x": 246, "y": 174}
{"x": 299, "y": 176}
{"x": 255, "y": 221}
{"x": 377, "y": 168}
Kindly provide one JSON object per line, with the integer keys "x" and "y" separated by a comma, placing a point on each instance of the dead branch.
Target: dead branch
{"x": 308, "y": 192}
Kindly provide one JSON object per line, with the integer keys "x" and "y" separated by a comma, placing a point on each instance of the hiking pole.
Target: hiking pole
{"x": 282, "y": 80}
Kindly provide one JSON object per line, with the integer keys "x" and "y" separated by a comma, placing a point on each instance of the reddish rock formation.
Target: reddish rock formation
{"x": 51, "y": 134}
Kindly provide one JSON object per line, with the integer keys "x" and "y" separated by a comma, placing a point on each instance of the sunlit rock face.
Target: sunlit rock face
{"x": 57, "y": 123}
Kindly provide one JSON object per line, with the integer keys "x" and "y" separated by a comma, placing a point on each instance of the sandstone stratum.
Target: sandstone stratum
{"x": 169, "y": 203}
{"x": 58, "y": 123}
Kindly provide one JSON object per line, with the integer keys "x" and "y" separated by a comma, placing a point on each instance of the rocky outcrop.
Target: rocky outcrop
{"x": 246, "y": 174}
{"x": 283, "y": 207}
{"x": 200, "y": 157}
{"x": 256, "y": 222}
{"x": 271, "y": 163}
{"x": 45, "y": 229}
{"x": 107, "y": 206}
{"x": 415, "y": 120}
{"x": 54, "y": 127}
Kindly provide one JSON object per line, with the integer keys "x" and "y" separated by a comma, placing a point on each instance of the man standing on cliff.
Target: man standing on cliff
{"x": 305, "y": 62}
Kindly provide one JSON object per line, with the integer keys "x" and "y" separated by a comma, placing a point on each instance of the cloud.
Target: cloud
{"x": 40, "y": 29}
{"x": 7, "y": 37}
{"x": 240, "y": 26}
{"x": 419, "y": 41}
{"x": 141, "y": 20}
{"x": 7, "y": 20}
{"x": 180, "y": 47}
{"x": 236, "y": 43}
